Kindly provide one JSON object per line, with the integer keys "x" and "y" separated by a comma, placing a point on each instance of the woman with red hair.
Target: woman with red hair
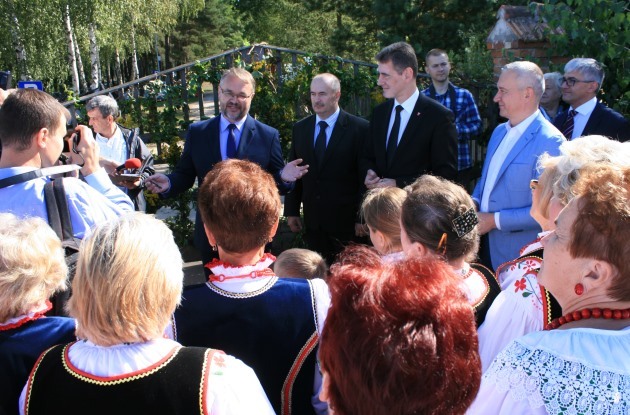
{"x": 399, "y": 338}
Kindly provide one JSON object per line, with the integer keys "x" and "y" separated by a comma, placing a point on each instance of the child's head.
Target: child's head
{"x": 300, "y": 263}
{"x": 381, "y": 211}
{"x": 440, "y": 216}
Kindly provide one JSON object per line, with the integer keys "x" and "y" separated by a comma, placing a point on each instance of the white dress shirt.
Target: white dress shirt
{"x": 498, "y": 158}
{"x": 405, "y": 114}
{"x": 580, "y": 119}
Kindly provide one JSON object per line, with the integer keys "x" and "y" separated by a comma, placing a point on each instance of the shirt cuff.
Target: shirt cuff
{"x": 99, "y": 180}
{"x": 496, "y": 220}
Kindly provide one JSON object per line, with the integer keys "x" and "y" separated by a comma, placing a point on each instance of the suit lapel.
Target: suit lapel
{"x": 593, "y": 120}
{"x": 520, "y": 144}
{"x": 213, "y": 131}
{"x": 336, "y": 136}
{"x": 247, "y": 135}
{"x": 309, "y": 141}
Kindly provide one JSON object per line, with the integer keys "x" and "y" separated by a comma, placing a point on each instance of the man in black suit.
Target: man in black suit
{"x": 330, "y": 142}
{"x": 233, "y": 134}
{"x": 582, "y": 79}
{"x": 423, "y": 134}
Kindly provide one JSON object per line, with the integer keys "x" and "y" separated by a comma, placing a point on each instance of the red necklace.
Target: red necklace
{"x": 587, "y": 313}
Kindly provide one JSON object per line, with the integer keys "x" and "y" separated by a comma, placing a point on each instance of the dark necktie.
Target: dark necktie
{"x": 567, "y": 127}
{"x": 320, "y": 142}
{"x": 392, "y": 141}
{"x": 230, "y": 150}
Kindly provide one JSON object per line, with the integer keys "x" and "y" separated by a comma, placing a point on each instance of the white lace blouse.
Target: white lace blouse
{"x": 573, "y": 371}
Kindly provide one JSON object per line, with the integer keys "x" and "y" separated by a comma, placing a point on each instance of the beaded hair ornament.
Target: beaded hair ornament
{"x": 465, "y": 222}
{"x": 462, "y": 225}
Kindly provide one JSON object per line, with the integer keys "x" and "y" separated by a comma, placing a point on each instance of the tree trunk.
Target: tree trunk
{"x": 18, "y": 45}
{"x": 135, "y": 73}
{"x": 94, "y": 58}
{"x": 118, "y": 72}
{"x": 72, "y": 61}
{"x": 80, "y": 68}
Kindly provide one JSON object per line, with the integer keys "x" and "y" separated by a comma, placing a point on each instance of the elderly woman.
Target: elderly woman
{"x": 127, "y": 285}
{"x": 399, "y": 338}
{"x": 525, "y": 306}
{"x": 439, "y": 219}
{"x": 271, "y": 323}
{"x": 578, "y": 365}
{"x": 551, "y": 100}
{"x": 32, "y": 268}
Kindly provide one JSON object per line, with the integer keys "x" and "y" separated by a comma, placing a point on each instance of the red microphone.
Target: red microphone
{"x": 130, "y": 164}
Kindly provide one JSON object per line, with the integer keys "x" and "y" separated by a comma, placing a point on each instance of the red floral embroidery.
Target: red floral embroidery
{"x": 520, "y": 285}
{"x": 219, "y": 360}
{"x": 530, "y": 265}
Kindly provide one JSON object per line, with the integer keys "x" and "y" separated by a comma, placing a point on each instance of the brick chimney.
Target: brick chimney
{"x": 519, "y": 35}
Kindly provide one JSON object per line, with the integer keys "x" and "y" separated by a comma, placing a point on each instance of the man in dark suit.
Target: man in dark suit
{"x": 330, "y": 142}
{"x": 582, "y": 79}
{"x": 233, "y": 134}
{"x": 410, "y": 134}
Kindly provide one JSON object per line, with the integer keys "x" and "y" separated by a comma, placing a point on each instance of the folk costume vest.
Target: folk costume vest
{"x": 272, "y": 330}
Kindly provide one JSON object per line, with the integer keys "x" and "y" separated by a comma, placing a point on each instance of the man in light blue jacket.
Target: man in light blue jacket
{"x": 503, "y": 195}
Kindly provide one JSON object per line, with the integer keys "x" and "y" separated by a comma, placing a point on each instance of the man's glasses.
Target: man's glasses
{"x": 571, "y": 81}
{"x": 231, "y": 95}
{"x": 533, "y": 184}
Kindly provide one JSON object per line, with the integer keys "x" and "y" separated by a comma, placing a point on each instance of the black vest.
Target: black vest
{"x": 172, "y": 386}
{"x": 272, "y": 331}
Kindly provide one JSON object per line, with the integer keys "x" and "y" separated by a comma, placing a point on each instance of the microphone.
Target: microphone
{"x": 130, "y": 164}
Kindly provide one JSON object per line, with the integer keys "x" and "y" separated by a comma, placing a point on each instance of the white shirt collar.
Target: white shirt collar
{"x": 522, "y": 126}
{"x": 587, "y": 107}
{"x": 410, "y": 103}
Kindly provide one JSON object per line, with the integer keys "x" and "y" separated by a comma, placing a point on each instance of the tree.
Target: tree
{"x": 598, "y": 29}
{"x": 216, "y": 28}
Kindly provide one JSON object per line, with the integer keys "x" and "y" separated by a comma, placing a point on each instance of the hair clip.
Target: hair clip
{"x": 465, "y": 222}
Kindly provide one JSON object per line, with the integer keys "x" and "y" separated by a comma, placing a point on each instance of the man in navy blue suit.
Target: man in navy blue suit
{"x": 502, "y": 195}
{"x": 233, "y": 134}
{"x": 582, "y": 79}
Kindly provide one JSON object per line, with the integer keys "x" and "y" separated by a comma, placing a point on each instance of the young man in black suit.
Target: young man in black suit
{"x": 410, "y": 134}
{"x": 586, "y": 116}
{"x": 330, "y": 143}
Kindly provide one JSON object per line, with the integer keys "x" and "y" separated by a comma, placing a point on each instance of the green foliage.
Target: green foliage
{"x": 598, "y": 29}
{"x": 216, "y": 28}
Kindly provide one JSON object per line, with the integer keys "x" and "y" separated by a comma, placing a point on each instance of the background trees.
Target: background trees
{"x": 114, "y": 41}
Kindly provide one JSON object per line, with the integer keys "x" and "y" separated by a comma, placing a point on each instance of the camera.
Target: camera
{"x": 75, "y": 136}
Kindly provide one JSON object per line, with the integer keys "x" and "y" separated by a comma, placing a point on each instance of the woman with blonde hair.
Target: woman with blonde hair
{"x": 32, "y": 269}
{"x": 127, "y": 285}
{"x": 381, "y": 211}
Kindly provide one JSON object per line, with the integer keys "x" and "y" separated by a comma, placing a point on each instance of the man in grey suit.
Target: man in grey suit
{"x": 330, "y": 143}
{"x": 503, "y": 195}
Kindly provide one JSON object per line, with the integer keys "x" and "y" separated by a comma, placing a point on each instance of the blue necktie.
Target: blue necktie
{"x": 230, "y": 151}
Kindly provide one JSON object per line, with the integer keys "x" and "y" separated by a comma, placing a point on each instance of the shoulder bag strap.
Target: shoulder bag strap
{"x": 52, "y": 209}
{"x": 64, "y": 212}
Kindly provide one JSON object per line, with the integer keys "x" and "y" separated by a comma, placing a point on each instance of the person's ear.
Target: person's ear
{"x": 408, "y": 73}
{"x": 42, "y": 137}
{"x": 599, "y": 274}
{"x": 418, "y": 250}
{"x": 211, "y": 238}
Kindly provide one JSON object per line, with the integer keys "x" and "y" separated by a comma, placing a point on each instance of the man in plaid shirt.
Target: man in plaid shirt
{"x": 461, "y": 102}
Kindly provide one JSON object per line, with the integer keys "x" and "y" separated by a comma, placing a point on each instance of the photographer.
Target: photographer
{"x": 118, "y": 144}
{"x": 32, "y": 127}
